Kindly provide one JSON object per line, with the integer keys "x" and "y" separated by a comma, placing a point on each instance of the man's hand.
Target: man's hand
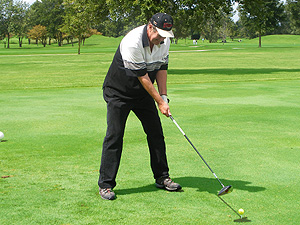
{"x": 164, "y": 108}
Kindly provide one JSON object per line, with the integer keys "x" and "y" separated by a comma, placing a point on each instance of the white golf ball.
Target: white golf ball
{"x": 1, "y": 135}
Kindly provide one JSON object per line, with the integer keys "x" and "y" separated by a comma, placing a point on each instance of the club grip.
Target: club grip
{"x": 177, "y": 125}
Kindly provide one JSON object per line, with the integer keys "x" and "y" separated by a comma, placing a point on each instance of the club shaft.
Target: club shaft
{"x": 230, "y": 207}
{"x": 174, "y": 121}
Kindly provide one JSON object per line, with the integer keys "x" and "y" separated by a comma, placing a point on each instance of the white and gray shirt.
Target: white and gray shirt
{"x": 134, "y": 58}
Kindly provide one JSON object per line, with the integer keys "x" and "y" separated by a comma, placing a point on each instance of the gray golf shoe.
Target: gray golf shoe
{"x": 107, "y": 193}
{"x": 168, "y": 184}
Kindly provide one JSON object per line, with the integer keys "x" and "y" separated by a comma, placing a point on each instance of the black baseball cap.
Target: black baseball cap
{"x": 163, "y": 23}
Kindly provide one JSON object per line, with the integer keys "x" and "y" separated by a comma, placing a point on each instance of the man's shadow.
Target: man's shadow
{"x": 202, "y": 184}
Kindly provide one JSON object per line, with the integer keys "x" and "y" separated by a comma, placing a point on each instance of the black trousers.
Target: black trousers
{"x": 117, "y": 113}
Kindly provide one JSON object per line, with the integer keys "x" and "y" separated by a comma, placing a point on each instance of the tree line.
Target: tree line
{"x": 58, "y": 20}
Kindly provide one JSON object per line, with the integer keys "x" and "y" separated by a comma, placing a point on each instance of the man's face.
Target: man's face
{"x": 154, "y": 36}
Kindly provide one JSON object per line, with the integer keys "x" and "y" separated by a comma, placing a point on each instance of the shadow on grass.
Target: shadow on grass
{"x": 211, "y": 185}
{"x": 144, "y": 189}
{"x": 242, "y": 220}
{"x": 227, "y": 71}
{"x": 202, "y": 184}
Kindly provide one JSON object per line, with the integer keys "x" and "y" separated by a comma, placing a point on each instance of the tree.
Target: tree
{"x": 20, "y": 20}
{"x": 7, "y": 11}
{"x": 293, "y": 13}
{"x": 260, "y": 16}
{"x": 79, "y": 18}
{"x": 214, "y": 26}
{"x": 228, "y": 28}
{"x": 48, "y": 13}
{"x": 124, "y": 15}
{"x": 181, "y": 28}
{"x": 2, "y": 19}
{"x": 88, "y": 34}
{"x": 210, "y": 28}
{"x": 38, "y": 32}
{"x": 13, "y": 19}
{"x": 188, "y": 15}
{"x": 204, "y": 17}
{"x": 233, "y": 29}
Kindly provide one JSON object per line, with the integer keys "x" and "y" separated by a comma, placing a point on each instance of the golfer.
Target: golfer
{"x": 140, "y": 60}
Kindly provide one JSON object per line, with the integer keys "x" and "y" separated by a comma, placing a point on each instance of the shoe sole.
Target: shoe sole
{"x": 108, "y": 198}
{"x": 161, "y": 186}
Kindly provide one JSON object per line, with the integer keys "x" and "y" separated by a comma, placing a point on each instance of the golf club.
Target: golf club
{"x": 231, "y": 207}
{"x": 225, "y": 189}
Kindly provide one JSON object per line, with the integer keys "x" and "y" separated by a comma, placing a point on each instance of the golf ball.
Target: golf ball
{"x": 241, "y": 211}
{"x": 1, "y": 135}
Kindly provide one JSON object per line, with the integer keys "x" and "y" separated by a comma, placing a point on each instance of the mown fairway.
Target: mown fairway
{"x": 237, "y": 103}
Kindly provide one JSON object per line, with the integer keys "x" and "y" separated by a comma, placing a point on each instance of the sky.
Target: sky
{"x": 29, "y": 1}
{"x": 235, "y": 15}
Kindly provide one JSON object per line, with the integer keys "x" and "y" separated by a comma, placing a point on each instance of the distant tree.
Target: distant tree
{"x": 138, "y": 11}
{"x": 188, "y": 15}
{"x": 260, "y": 16}
{"x": 20, "y": 20}
{"x": 124, "y": 15}
{"x": 89, "y": 33}
{"x": 293, "y": 13}
{"x": 210, "y": 29}
{"x": 37, "y": 33}
{"x": 68, "y": 37}
{"x": 48, "y": 13}
{"x": 112, "y": 28}
{"x": 7, "y": 12}
{"x": 181, "y": 28}
{"x": 233, "y": 30}
{"x": 227, "y": 28}
{"x": 2, "y": 19}
{"x": 79, "y": 18}
{"x": 13, "y": 20}
{"x": 203, "y": 16}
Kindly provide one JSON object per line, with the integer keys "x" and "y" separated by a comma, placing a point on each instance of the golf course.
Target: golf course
{"x": 238, "y": 104}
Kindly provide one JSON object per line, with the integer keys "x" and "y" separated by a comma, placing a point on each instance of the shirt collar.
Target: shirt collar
{"x": 145, "y": 37}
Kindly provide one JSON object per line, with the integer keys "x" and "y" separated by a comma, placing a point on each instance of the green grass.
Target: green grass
{"x": 238, "y": 104}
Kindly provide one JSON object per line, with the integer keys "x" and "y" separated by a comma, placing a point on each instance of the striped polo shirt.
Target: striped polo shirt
{"x": 132, "y": 59}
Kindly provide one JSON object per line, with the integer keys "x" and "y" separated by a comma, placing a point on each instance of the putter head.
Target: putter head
{"x": 225, "y": 190}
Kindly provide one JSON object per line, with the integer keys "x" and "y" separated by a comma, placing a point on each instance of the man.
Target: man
{"x": 142, "y": 58}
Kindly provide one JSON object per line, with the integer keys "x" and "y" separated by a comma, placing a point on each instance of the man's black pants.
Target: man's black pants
{"x": 117, "y": 114}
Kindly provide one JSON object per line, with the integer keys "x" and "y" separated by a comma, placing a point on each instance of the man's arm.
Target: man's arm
{"x": 161, "y": 80}
{"x": 149, "y": 87}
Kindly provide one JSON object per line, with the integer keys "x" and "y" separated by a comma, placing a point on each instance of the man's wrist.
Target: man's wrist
{"x": 165, "y": 98}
